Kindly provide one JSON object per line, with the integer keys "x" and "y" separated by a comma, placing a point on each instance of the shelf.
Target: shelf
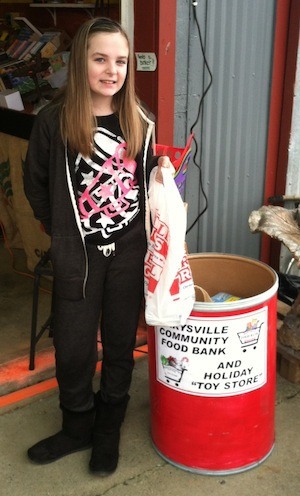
{"x": 51, "y": 7}
{"x": 63, "y": 5}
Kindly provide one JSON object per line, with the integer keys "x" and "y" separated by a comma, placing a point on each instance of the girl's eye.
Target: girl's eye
{"x": 122, "y": 62}
{"x": 99, "y": 59}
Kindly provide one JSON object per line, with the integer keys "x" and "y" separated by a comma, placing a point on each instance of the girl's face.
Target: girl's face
{"x": 107, "y": 58}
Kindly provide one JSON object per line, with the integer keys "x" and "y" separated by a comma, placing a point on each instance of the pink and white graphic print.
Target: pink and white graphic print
{"x": 108, "y": 190}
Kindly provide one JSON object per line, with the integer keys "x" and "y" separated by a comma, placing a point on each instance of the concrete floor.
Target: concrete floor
{"x": 141, "y": 470}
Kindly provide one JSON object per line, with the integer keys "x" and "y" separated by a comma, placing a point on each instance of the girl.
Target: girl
{"x": 88, "y": 163}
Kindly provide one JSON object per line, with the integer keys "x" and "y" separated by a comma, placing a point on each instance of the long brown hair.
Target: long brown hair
{"x": 77, "y": 121}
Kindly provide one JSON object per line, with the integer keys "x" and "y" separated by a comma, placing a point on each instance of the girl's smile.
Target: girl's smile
{"x": 107, "y": 68}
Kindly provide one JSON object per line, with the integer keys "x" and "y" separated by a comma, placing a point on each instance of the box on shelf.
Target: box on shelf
{"x": 60, "y": 38}
{"x": 11, "y": 99}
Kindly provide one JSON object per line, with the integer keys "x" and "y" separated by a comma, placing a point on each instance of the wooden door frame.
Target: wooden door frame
{"x": 286, "y": 40}
{"x": 155, "y": 31}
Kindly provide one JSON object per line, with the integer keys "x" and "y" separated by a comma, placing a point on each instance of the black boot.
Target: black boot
{"x": 106, "y": 436}
{"x": 76, "y": 435}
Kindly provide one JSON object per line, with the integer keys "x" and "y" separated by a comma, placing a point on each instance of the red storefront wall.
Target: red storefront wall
{"x": 155, "y": 31}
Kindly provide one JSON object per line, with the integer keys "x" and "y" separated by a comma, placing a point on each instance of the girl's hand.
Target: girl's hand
{"x": 163, "y": 161}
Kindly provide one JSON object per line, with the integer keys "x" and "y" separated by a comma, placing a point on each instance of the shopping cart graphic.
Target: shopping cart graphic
{"x": 250, "y": 336}
{"x": 173, "y": 369}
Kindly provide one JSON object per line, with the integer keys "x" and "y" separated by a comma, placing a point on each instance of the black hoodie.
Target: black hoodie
{"x": 50, "y": 186}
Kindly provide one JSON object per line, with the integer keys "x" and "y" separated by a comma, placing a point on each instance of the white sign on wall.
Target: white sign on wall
{"x": 146, "y": 61}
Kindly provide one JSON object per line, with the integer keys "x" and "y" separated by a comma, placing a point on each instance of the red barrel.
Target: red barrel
{"x": 213, "y": 381}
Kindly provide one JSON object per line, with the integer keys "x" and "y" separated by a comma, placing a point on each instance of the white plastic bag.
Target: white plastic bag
{"x": 169, "y": 286}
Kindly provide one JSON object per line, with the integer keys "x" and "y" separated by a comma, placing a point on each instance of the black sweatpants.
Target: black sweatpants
{"x": 114, "y": 293}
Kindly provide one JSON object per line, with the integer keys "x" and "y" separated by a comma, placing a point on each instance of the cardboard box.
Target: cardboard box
{"x": 11, "y": 99}
{"x": 61, "y": 39}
